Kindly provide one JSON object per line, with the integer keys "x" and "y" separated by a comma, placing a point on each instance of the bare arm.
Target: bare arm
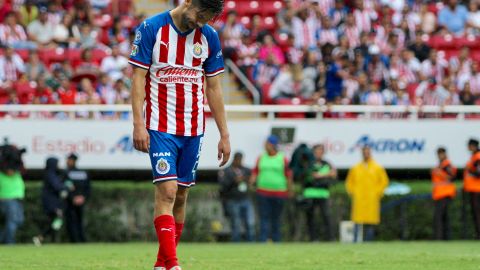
{"x": 215, "y": 101}
{"x": 141, "y": 139}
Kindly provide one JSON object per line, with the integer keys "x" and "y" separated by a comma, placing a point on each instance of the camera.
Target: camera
{"x": 11, "y": 157}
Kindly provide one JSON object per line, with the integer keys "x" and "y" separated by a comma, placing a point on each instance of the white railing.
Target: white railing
{"x": 413, "y": 112}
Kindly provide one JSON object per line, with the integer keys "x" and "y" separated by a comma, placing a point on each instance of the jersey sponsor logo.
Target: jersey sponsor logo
{"x": 162, "y": 167}
{"x": 389, "y": 145}
{"x": 162, "y": 154}
{"x": 138, "y": 37}
{"x": 134, "y": 50}
{"x": 197, "y": 50}
{"x": 179, "y": 75}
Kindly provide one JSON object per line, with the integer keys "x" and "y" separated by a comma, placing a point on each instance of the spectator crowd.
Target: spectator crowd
{"x": 368, "y": 52}
{"x": 66, "y": 52}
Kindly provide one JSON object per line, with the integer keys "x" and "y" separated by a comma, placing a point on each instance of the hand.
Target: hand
{"x": 223, "y": 150}
{"x": 141, "y": 139}
{"x": 78, "y": 200}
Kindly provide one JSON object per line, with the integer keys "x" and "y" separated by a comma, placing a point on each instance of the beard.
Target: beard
{"x": 187, "y": 24}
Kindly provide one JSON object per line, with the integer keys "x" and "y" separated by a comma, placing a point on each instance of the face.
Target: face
{"x": 270, "y": 147}
{"x": 366, "y": 153}
{"x": 70, "y": 162}
{"x": 194, "y": 17}
{"x": 318, "y": 152}
{"x": 471, "y": 148}
{"x": 441, "y": 155}
{"x": 237, "y": 161}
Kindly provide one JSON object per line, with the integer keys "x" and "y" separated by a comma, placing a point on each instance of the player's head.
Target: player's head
{"x": 442, "y": 153}
{"x": 473, "y": 145}
{"x": 318, "y": 151}
{"x": 197, "y": 13}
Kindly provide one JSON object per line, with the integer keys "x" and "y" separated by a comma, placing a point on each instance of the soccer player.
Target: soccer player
{"x": 171, "y": 54}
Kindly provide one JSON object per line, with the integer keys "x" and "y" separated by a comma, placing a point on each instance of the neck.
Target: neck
{"x": 176, "y": 14}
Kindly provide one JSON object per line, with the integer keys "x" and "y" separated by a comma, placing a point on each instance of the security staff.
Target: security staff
{"x": 471, "y": 183}
{"x": 443, "y": 191}
{"x": 316, "y": 194}
{"x": 76, "y": 199}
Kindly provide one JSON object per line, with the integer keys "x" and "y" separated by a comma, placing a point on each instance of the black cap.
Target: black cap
{"x": 72, "y": 156}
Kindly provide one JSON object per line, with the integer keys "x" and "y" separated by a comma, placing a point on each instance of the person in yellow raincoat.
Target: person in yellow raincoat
{"x": 365, "y": 184}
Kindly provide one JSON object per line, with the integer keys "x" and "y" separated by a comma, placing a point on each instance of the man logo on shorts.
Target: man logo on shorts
{"x": 162, "y": 166}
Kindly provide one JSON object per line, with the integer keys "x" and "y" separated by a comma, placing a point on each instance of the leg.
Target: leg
{"x": 309, "y": 213}
{"x": 165, "y": 193}
{"x": 446, "y": 221}
{"x": 276, "y": 210}
{"x": 475, "y": 204}
{"x": 235, "y": 209}
{"x": 264, "y": 214}
{"x": 70, "y": 220}
{"x": 357, "y": 233}
{"x": 179, "y": 210}
{"x": 13, "y": 219}
{"x": 437, "y": 220}
{"x": 163, "y": 152}
{"x": 249, "y": 220}
{"x": 325, "y": 212}
{"x": 369, "y": 233}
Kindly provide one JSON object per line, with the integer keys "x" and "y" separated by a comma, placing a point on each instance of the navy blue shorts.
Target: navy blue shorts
{"x": 174, "y": 157}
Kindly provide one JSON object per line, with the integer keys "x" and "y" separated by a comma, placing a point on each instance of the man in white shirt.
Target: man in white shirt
{"x": 41, "y": 30}
{"x": 113, "y": 64}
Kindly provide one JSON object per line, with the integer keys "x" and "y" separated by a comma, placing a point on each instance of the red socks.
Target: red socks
{"x": 166, "y": 230}
{"x": 165, "y": 222}
{"x": 178, "y": 232}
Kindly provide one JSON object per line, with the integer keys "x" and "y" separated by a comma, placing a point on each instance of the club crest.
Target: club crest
{"x": 197, "y": 50}
{"x": 163, "y": 166}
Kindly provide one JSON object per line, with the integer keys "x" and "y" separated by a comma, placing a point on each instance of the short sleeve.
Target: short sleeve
{"x": 213, "y": 65}
{"x": 142, "y": 47}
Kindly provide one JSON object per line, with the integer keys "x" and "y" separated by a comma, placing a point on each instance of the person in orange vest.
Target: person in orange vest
{"x": 471, "y": 183}
{"x": 443, "y": 192}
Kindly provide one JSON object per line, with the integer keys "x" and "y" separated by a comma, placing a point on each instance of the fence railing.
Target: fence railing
{"x": 273, "y": 111}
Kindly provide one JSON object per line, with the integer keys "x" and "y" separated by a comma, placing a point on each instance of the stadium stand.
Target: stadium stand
{"x": 366, "y": 52}
{"x": 410, "y": 51}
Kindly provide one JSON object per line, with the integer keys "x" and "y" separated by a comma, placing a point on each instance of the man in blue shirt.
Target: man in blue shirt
{"x": 335, "y": 77}
{"x": 453, "y": 17}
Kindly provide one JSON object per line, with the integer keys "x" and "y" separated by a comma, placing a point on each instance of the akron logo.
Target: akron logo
{"x": 162, "y": 166}
{"x": 197, "y": 50}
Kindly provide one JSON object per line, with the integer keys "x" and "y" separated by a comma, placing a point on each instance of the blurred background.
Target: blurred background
{"x": 399, "y": 77}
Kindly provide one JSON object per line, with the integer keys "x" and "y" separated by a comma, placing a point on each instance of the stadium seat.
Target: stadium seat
{"x": 50, "y": 56}
{"x": 268, "y": 24}
{"x": 270, "y": 8}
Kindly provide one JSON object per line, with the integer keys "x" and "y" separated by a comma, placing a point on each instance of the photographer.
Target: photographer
{"x": 316, "y": 194}
{"x": 12, "y": 191}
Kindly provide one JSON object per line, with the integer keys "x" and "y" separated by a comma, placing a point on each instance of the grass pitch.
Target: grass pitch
{"x": 136, "y": 256}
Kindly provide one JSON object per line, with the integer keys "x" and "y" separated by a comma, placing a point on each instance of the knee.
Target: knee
{"x": 181, "y": 198}
{"x": 167, "y": 195}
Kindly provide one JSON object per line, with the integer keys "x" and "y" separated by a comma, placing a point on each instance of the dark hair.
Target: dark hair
{"x": 441, "y": 150}
{"x": 214, "y": 6}
{"x": 238, "y": 155}
{"x": 473, "y": 142}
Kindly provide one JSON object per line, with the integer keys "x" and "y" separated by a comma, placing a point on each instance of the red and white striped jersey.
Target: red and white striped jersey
{"x": 177, "y": 63}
